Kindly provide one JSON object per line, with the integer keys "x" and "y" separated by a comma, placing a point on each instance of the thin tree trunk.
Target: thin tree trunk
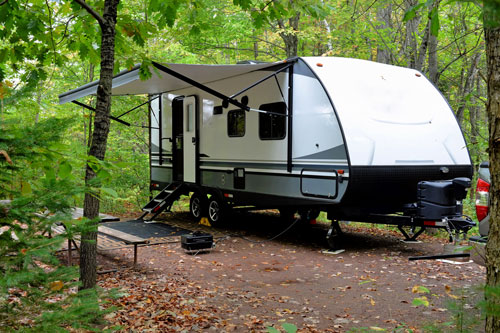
{"x": 88, "y": 248}
{"x": 492, "y": 38}
{"x": 255, "y": 50}
{"x": 410, "y": 43}
{"x": 468, "y": 87}
{"x": 422, "y": 51}
{"x": 289, "y": 35}
{"x": 474, "y": 128}
{"x": 433, "y": 43}
{"x": 433, "y": 60}
{"x": 384, "y": 19}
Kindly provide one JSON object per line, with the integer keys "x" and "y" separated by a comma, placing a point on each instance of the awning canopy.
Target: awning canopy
{"x": 128, "y": 82}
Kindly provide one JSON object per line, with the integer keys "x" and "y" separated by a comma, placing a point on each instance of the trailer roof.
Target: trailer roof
{"x": 128, "y": 82}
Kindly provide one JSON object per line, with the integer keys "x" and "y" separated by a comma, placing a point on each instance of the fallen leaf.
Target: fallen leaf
{"x": 420, "y": 301}
{"x": 420, "y": 290}
{"x": 56, "y": 285}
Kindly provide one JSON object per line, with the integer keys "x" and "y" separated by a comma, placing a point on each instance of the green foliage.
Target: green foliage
{"x": 36, "y": 292}
{"x": 491, "y": 12}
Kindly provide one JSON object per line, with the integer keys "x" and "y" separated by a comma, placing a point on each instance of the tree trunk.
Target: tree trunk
{"x": 433, "y": 60}
{"x": 410, "y": 43}
{"x": 384, "y": 19}
{"x": 492, "y": 38}
{"x": 468, "y": 87}
{"x": 422, "y": 51}
{"x": 433, "y": 42}
{"x": 474, "y": 128}
{"x": 88, "y": 248}
{"x": 289, "y": 35}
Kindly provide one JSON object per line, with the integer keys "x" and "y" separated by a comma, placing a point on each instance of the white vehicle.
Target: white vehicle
{"x": 357, "y": 139}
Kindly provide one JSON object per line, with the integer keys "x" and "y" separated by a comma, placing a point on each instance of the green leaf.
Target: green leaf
{"x": 144, "y": 72}
{"x": 366, "y": 281}
{"x": 420, "y": 301}
{"x": 412, "y": 12}
{"x": 50, "y": 174}
{"x": 65, "y": 170}
{"x": 272, "y": 330}
{"x": 103, "y": 174}
{"x": 289, "y": 328}
{"x": 25, "y": 188}
{"x": 420, "y": 290}
{"x": 110, "y": 192}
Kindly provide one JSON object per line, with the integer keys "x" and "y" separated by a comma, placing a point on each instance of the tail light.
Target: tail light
{"x": 482, "y": 199}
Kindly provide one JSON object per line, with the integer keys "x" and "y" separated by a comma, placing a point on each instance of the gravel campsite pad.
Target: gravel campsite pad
{"x": 243, "y": 285}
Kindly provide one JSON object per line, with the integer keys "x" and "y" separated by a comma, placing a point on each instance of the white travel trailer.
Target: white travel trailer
{"x": 360, "y": 140}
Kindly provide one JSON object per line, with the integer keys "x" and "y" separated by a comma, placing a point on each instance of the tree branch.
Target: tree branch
{"x": 91, "y": 11}
{"x": 3, "y": 2}
{"x": 66, "y": 29}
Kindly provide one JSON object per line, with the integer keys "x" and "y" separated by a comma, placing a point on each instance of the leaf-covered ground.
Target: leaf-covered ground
{"x": 244, "y": 286}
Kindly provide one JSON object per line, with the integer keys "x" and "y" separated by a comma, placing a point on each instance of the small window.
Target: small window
{"x": 236, "y": 123}
{"x": 272, "y": 126}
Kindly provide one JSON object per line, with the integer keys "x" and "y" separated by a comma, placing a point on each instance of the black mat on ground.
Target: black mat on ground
{"x": 140, "y": 229}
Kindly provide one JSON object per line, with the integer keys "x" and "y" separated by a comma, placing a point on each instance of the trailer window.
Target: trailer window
{"x": 236, "y": 123}
{"x": 271, "y": 126}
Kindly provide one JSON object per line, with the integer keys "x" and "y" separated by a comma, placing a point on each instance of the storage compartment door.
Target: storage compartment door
{"x": 319, "y": 183}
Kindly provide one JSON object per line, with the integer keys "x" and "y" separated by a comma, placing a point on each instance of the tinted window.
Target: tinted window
{"x": 272, "y": 126}
{"x": 236, "y": 123}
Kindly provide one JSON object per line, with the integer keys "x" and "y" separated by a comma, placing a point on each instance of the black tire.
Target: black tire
{"x": 216, "y": 210}
{"x": 198, "y": 206}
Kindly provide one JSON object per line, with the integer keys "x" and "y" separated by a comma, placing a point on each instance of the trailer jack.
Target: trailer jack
{"x": 414, "y": 234}
{"x": 334, "y": 236}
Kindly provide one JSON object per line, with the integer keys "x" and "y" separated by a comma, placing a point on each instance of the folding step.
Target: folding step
{"x": 162, "y": 201}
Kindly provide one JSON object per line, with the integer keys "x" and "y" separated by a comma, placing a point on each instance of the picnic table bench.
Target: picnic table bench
{"x": 126, "y": 238}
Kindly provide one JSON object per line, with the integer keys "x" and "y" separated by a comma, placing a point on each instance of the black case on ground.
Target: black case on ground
{"x": 197, "y": 241}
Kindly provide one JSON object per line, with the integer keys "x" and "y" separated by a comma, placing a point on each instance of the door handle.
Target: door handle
{"x": 193, "y": 139}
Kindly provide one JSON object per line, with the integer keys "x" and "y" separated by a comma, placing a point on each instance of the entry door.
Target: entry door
{"x": 178, "y": 138}
{"x": 190, "y": 142}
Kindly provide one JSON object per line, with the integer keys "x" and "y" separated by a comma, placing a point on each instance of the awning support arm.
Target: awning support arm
{"x": 93, "y": 109}
{"x": 138, "y": 106}
{"x": 225, "y": 99}
{"x": 261, "y": 80}
{"x": 200, "y": 86}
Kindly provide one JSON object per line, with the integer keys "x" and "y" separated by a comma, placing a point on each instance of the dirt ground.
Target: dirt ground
{"x": 247, "y": 286}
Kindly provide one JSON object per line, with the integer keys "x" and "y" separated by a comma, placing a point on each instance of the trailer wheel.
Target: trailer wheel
{"x": 197, "y": 205}
{"x": 217, "y": 210}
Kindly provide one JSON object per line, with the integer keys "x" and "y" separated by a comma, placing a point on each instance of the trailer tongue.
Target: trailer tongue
{"x": 439, "y": 205}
